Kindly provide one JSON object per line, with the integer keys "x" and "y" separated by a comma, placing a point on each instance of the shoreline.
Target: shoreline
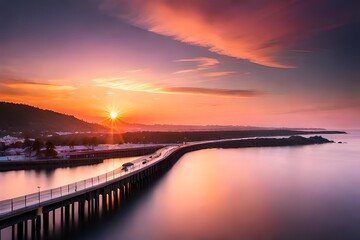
{"x": 223, "y": 143}
{"x": 80, "y": 159}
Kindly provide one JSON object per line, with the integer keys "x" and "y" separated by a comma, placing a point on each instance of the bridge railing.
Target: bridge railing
{"x": 33, "y": 199}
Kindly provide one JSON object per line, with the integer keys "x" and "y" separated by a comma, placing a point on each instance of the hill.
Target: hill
{"x": 25, "y": 118}
{"x": 29, "y": 119}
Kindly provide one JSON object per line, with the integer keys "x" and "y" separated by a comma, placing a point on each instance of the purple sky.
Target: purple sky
{"x": 265, "y": 63}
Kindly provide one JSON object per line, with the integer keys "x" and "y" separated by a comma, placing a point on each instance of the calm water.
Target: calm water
{"x": 18, "y": 183}
{"x": 310, "y": 192}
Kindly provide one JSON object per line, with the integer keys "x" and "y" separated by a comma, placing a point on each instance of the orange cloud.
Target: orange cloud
{"x": 256, "y": 31}
{"x": 35, "y": 93}
{"x": 14, "y": 84}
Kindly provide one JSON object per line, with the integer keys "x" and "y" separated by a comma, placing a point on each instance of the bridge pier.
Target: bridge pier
{"x": 20, "y": 230}
{"x": 33, "y": 229}
{"x": 53, "y": 218}
{"x": 97, "y": 205}
{"x": 61, "y": 216}
{"x": 116, "y": 198}
{"x": 67, "y": 213}
{"x": 38, "y": 225}
{"x": 26, "y": 230}
{"x": 94, "y": 207}
{"x": 88, "y": 201}
{"x": 81, "y": 209}
{"x": 73, "y": 214}
{"x": 127, "y": 190}
{"x": 46, "y": 223}
{"x": 73, "y": 211}
{"x": 121, "y": 193}
{"x": 112, "y": 200}
{"x": 103, "y": 200}
{"x": 67, "y": 216}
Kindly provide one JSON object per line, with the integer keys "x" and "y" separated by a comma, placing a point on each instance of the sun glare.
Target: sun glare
{"x": 113, "y": 115}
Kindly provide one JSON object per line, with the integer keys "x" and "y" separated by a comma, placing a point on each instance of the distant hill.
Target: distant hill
{"x": 20, "y": 117}
{"x": 29, "y": 119}
{"x": 136, "y": 127}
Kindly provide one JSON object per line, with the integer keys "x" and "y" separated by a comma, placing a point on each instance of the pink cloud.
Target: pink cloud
{"x": 202, "y": 63}
{"x": 218, "y": 74}
{"x": 212, "y": 91}
{"x": 258, "y": 31}
{"x": 137, "y": 86}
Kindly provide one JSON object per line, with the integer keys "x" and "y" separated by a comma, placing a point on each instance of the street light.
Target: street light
{"x": 39, "y": 193}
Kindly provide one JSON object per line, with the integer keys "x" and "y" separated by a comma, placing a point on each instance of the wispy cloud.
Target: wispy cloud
{"x": 218, "y": 74}
{"x": 202, "y": 63}
{"x": 38, "y": 86}
{"x": 126, "y": 84}
{"x": 108, "y": 80}
{"x": 256, "y": 31}
{"x": 324, "y": 108}
{"x": 27, "y": 85}
{"x": 132, "y": 85}
{"x": 213, "y": 91}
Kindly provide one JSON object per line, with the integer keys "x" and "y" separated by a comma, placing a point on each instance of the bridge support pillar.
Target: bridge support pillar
{"x": 38, "y": 225}
{"x": 26, "y": 230}
{"x": 116, "y": 199}
{"x": 93, "y": 209}
{"x": 121, "y": 193}
{"x": 13, "y": 232}
{"x": 33, "y": 228}
{"x": 88, "y": 207}
{"x": 53, "y": 218}
{"x": 73, "y": 211}
{"x": 96, "y": 205}
{"x": 81, "y": 209}
{"x": 46, "y": 223}
{"x": 111, "y": 199}
{"x": 104, "y": 203}
{"x": 20, "y": 230}
{"x": 129, "y": 185}
{"x": 61, "y": 216}
{"x": 67, "y": 213}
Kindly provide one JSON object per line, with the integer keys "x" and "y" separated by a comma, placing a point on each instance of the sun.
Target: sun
{"x": 113, "y": 115}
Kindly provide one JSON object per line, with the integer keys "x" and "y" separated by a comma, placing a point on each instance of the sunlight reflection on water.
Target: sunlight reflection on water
{"x": 307, "y": 192}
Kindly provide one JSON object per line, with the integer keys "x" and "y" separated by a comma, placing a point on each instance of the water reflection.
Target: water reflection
{"x": 305, "y": 192}
{"x": 308, "y": 192}
{"x": 72, "y": 218}
{"x": 21, "y": 182}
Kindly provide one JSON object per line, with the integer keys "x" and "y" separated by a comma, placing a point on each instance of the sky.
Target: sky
{"x": 263, "y": 63}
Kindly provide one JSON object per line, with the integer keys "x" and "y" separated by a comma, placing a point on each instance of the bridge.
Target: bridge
{"x": 113, "y": 185}
{"x": 35, "y": 213}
